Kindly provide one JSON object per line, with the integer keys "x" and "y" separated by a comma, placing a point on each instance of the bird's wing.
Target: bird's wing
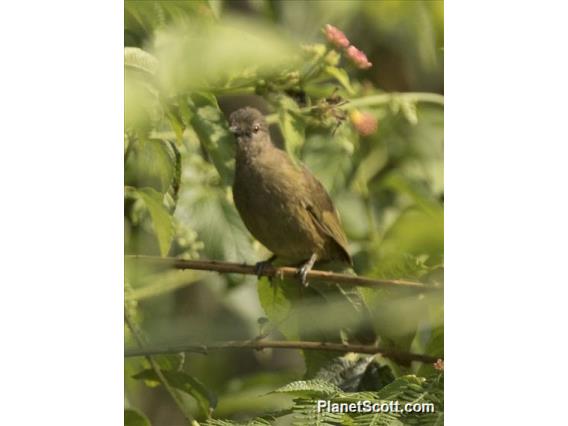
{"x": 323, "y": 213}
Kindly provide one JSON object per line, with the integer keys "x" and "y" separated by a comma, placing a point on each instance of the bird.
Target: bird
{"x": 282, "y": 204}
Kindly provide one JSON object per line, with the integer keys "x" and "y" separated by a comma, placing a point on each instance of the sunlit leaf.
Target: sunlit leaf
{"x": 341, "y": 76}
{"x": 310, "y": 388}
{"x": 161, "y": 219}
{"x": 139, "y": 59}
{"x": 199, "y": 55}
{"x": 292, "y": 126}
{"x": 151, "y": 163}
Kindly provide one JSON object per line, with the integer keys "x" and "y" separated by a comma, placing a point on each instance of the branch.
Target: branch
{"x": 281, "y": 272}
{"x": 155, "y": 367}
{"x": 262, "y": 344}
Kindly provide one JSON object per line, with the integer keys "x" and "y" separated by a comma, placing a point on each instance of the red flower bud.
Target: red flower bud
{"x": 336, "y": 36}
{"x": 365, "y": 123}
{"x": 358, "y": 58}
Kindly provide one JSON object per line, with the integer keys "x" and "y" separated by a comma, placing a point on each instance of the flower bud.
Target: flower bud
{"x": 358, "y": 58}
{"x": 336, "y": 36}
{"x": 364, "y": 122}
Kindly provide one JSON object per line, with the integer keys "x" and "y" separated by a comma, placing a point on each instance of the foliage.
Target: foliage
{"x": 379, "y": 153}
{"x": 406, "y": 390}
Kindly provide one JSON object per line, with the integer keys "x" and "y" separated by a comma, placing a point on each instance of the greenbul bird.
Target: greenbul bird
{"x": 281, "y": 203}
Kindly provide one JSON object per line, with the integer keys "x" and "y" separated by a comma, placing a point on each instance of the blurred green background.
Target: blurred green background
{"x": 188, "y": 65}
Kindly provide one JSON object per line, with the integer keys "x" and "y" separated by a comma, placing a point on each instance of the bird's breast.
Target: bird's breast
{"x": 268, "y": 196}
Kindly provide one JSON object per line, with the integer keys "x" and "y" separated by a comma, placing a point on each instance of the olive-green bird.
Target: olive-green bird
{"x": 281, "y": 203}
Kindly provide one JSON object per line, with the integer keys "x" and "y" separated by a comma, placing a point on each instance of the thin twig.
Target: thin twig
{"x": 288, "y": 344}
{"x": 156, "y": 368}
{"x": 283, "y": 271}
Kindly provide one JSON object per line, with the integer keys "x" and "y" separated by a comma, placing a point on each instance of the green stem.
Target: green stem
{"x": 385, "y": 98}
{"x": 381, "y": 99}
{"x": 140, "y": 342}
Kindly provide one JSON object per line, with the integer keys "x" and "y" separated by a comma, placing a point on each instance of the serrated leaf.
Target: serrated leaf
{"x": 341, "y": 76}
{"x": 210, "y": 125}
{"x": 139, "y": 59}
{"x": 135, "y": 418}
{"x": 206, "y": 400}
{"x": 254, "y": 422}
{"x": 310, "y": 388}
{"x": 142, "y": 106}
{"x": 345, "y": 372}
{"x": 398, "y": 390}
{"x": 161, "y": 219}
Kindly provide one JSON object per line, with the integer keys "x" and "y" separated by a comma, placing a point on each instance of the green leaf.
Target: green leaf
{"x": 139, "y": 59}
{"x": 173, "y": 189}
{"x": 341, "y": 76}
{"x": 210, "y": 125}
{"x": 292, "y": 126}
{"x": 206, "y": 400}
{"x": 142, "y": 106}
{"x": 161, "y": 219}
{"x": 177, "y": 125}
{"x": 412, "y": 245}
{"x": 290, "y": 309}
{"x": 435, "y": 343}
{"x": 319, "y": 312}
{"x": 135, "y": 418}
{"x": 151, "y": 163}
{"x": 210, "y": 213}
{"x": 310, "y": 389}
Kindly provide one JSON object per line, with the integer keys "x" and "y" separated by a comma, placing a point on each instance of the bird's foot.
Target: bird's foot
{"x": 307, "y": 267}
{"x": 260, "y": 266}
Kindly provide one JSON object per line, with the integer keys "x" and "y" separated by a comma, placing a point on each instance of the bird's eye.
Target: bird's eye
{"x": 256, "y": 128}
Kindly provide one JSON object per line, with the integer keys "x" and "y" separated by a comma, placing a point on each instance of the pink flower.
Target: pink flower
{"x": 439, "y": 365}
{"x": 336, "y": 36}
{"x": 358, "y": 58}
{"x": 365, "y": 123}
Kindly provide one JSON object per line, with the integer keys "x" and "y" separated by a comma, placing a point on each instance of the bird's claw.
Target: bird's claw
{"x": 307, "y": 267}
{"x": 303, "y": 273}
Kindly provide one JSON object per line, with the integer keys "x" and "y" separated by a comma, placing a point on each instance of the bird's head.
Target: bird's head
{"x": 248, "y": 125}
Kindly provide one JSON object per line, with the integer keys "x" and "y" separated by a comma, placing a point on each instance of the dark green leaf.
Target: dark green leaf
{"x": 135, "y": 418}
{"x": 206, "y": 400}
{"x": 210, "y": 125}
{"x": 173, "y": 190}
